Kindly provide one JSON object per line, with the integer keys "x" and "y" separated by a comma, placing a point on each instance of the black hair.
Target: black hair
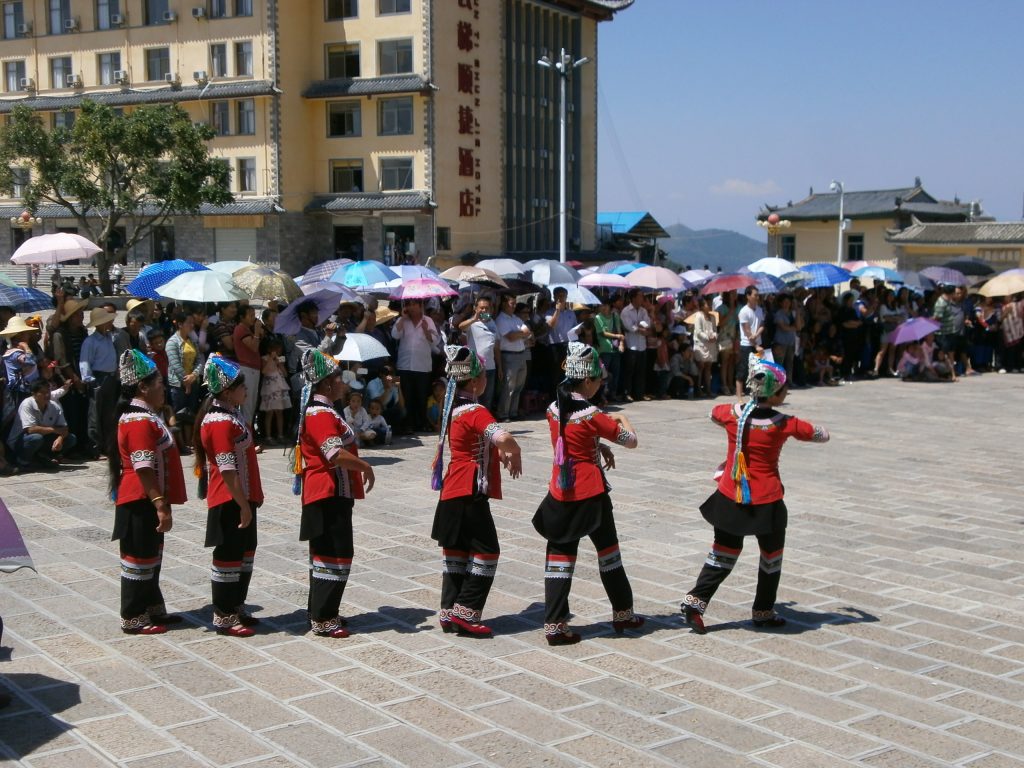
{"x": 749, "y": 290}
{"x": 38, "y": 385}
{"x": 124, "y": 405}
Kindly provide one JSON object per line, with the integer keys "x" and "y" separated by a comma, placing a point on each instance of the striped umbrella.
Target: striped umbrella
{"x": 324, "y": 270}
{"x": 161, "y": 273}
{"x": 24, "y": 299}
{"x": 766, "y": 283}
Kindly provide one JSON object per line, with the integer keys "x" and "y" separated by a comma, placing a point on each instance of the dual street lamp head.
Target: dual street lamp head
{"x": 564, "y": 64}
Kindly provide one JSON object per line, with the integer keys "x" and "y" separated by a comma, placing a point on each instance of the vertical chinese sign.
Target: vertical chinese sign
{"x": 468, "y": 88}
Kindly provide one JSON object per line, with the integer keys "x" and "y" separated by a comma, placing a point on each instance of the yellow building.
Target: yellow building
{"x": 358, "y": 128}
{"x": 1000, "y": 244}
{"x": 871, "y": 215}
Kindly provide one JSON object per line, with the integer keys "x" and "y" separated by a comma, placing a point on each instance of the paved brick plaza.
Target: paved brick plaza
{"x": 902, "y": 584}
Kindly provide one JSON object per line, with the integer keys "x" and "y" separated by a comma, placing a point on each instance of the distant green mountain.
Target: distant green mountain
{"x": 713, "y": 247}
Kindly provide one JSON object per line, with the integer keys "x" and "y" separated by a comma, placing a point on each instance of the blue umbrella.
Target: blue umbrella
{"x": 824, "y": 275}
{"x": 766, "y": 283}
{"x": 879, "y": 273}
{"x": 625, "y": 269}
{"x": 360, "y": 274}
{"x": 24, "y": 299}
{"x": 916, "y": 281}
{"x": 161, "y": 273}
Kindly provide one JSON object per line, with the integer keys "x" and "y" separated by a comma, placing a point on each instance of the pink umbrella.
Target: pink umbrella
{"x": 423, "y": 288}
{"x": 604, "y": 280}
{"x": 727, "y": 282}
{"x": 853, "y": 266}
{"x": 658, "y": 278}
{"x": 50, "y": 249}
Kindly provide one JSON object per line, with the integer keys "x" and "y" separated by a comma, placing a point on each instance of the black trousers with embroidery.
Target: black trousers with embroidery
{"x": 561, "y": 562}
{"x": 719, "y": 564}
{"x": 234, "y": 550}
{"x": 470, "y": 560}
{"x": 331, "y": 549}
{"x": 141, "y": 557}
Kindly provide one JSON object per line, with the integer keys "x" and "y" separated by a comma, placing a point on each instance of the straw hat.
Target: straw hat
{"x": 145, "y": 304}
{"x": 385, "y": 313}
{"x": 100, "y": 316}
{"x": 71, "y": 306}
{"x": 17, "y": 325}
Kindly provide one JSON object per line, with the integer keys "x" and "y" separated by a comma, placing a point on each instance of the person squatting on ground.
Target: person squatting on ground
{"x": 748, "y": 501}
{"x": 463, "y": 526}
{"x": 577, "y": 503}
{"x": 229, "y": 478}
{"x": 145, "y": 480}
{"x": 330, "y": 476}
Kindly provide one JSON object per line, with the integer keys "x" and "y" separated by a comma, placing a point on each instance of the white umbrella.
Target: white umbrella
{"x": 549, "y": 272}
{"x": 577, "y": 294}
{"x": 658, "y": 278}
{"x": 604, "y": 280}
{"x": 774, "y": 266}
{"x": 230, "y": 267}
{"x": 50, "y": 249}
{"x": 360, "y": 347}
{"x": 503, "y": 267}
{"x": 204, "y": 286}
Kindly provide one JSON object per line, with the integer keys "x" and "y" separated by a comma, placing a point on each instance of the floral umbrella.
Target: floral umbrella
{"x": 266, "y": 283}
{"x": 423, "y": 288}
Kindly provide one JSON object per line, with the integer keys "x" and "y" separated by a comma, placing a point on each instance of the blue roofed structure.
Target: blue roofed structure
{"x": 631, "y": 224}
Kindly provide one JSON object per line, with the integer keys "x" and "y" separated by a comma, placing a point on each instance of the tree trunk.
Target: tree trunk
{"x": 103, "y": 261}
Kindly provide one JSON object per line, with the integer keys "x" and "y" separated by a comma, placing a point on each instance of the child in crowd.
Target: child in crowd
{"x": 435, "y": 403}
{"x": 377, "y": 422}
{"x": 275, "y": 395}
{"x": 821, "y": 364}
{"x": 157, "y": 351}
{"x": 684, "y": 371}
{"x": 359, "y": 420}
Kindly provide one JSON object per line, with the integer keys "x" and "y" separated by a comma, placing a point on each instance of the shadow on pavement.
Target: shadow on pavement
{"x": 22, "y": 730}
{"x": 798, "y": 622}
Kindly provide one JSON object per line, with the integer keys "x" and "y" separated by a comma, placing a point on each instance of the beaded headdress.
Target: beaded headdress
{"x": 764, "y": 379}
{"x": 220, "y": 373}
{"x": 134, "y": 366}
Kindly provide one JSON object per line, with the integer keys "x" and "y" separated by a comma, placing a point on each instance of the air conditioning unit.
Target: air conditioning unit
{"x": 173, "y": 79}
{"x": 70, "y": 25}
{"x": 121, "y": 77}
{"x": 199, "y": 12}
{"x": 25, "y": 29}
{"x": 72, "y": 81}
{"x": 170, "y": 16}
{"x": 117, "y": 19}
{"x": 27, "y": 84}
{"x": 200, "y": 76}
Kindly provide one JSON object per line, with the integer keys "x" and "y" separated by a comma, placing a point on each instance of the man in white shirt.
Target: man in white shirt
{"x": 637, "y": 325}
{"x": 751, "y": 320}
{"x": 417, "y": 338}
{"x": 512, "y": 336}
{"x": 39, "y": 434}
{"x": 561, "y": 321}
{"x": 482, "y": 337}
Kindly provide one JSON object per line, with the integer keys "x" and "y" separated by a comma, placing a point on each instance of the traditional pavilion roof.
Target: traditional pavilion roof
{"x": 371, "y": 201}
{"x": 241, "y": 207}
{"x": 126, "y": 97}
{"x": 602, "y": 10}
{"x": 632, "y": 224}
{"x": 970, "y": 232}
{"x": 870, "y": 204}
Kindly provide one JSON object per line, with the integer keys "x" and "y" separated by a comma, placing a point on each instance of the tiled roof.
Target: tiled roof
{"x": 130, "y": 96}
{"x": 602, "y": 8}
{"x": 367, "y": 86}
{"x": 877, "y": 203}
{"x": 633, "y": 223}
{"x": 371, "y": 201}
{"x": 241, "y": 207}
{"x": 995, "y": 232}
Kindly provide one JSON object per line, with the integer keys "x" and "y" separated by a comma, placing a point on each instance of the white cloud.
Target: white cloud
{"x": 744, "y": 188}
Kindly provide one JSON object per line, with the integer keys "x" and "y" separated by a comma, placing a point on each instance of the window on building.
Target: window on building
{"x": 104, "y": 10}
{"x": 19, "y": 181}
{"x": 14, "y": 17}
{"x": 395, "y": 56}
{"x": 63, "y": 119}
{"x": 854, "y": 247}
{"x": 392, "y": 6}
{"x": 346, "y": 176}
{"x": 394, "y": 116}
{"x": 60, "y": 68}
{"x": 220, "y": 117}
{"x": 153, "y": 11}
{"x": 344, "y": 118}
{"x": 158, "y": 63}
{"x": 58, "y": 11}
{"x": 247, "y": 174}
{"x": 246, "y": 109}
{"x": 788, "y": 247}
{"x": 218, "y": 60}
{"x": 343, "y": 60}
{"x": 14, "y": 73}
{"x": 243, "y": 58}
{"x": 218, "y": 9}
{"x": 243, "y": 7}
{"x": 444, "y": 238}
{"x": 395, "y": 173}
{"x": 341, "y": 9}
{"x": 108, "y": 64}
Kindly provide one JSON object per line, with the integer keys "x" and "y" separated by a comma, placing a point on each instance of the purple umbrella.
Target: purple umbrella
{"x": 604, "y": 280}
{"x": 13, "y": 552}
{"x": 914, "y": 329}
{"x": 324, "y": 270}
{"x": 326, "y": 304}
{"x": 944, "y": 276}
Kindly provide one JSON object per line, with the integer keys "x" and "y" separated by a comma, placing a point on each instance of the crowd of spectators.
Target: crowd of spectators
{"x": 60, "y": 383}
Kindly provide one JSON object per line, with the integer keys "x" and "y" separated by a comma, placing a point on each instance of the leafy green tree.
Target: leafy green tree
{"x": 111, "y": 170}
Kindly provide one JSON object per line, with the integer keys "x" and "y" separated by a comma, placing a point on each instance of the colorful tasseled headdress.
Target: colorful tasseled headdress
{"x": 316, "y": 366}
{"x": 134, "y": 366}
{"x": 220, "y": 373}
{"x": 581, "y": 362}
{"x": 764, "y": 379}
{"x": 461, "y": 364}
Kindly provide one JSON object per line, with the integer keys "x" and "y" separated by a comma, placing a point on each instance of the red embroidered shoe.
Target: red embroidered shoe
{"x": 469, "y": 628}
{"x": 247, "y": 620}
{"x": 694, "y": 619}
{"x": 564, "y": 638}
{"x": 236, "y": 630}
{"x": 624, "y": 620}
{"x": 446, "y": 625}
{"x": 338, "y": 633}
{"x": 148, "y": 629}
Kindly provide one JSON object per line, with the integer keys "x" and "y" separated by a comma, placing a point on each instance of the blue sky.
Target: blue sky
{"x": 707, "y": 110}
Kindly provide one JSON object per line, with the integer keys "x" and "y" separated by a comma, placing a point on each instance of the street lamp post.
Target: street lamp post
{"x": 25, "y": 222}
{"x": 563, "y": 66}
{"x": 774, "y": 224}
{"x": 837, "y": 186}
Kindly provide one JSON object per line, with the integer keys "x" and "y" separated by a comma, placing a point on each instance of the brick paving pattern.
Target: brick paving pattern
{"x": 902, "y": 585}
